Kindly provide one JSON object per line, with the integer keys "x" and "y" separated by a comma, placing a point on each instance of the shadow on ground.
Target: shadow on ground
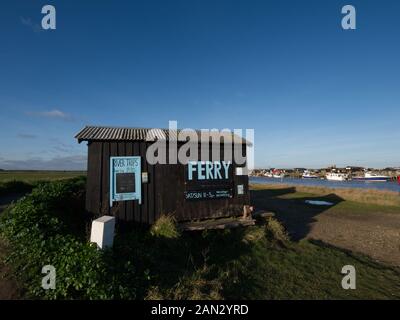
{"x": 294, "y": 212}
{"x": 193, "y": 261}
{"x": 7, "y": 199}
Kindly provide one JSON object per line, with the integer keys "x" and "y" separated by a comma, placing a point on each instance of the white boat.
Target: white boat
{"x": 335, "y": 176}
{"x": 308, "y": 175}
{"x": 279, "y": 176}
{"x": 369, "y": 176}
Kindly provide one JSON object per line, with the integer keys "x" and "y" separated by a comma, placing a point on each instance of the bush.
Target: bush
{"x": 165, "y": 227}
{"x": 47, "y": 228}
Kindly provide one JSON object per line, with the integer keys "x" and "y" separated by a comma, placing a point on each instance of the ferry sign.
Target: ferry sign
{"x": 208, "y": 180}
{"x": 208, "y": 170}
{"x": 125, "y": 179}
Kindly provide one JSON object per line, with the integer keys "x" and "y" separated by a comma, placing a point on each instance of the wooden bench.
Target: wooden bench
{"x": 222, "y": 223}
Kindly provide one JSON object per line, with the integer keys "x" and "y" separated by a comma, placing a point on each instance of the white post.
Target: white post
{"x": 103, "y": 231}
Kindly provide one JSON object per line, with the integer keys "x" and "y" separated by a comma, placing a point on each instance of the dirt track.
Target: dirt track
{"x": 8, "y": 287}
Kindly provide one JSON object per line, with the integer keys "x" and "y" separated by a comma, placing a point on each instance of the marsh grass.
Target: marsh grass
{"x": 32, "y": 176}
{"x": 24, "y": 181}
{"x": 370, "y": 196}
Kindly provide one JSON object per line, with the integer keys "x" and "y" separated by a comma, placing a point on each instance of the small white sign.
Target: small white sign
{"x": 240, "y": 189}
{"x": 145, "y": 177}
{"x": 241, "y": 171}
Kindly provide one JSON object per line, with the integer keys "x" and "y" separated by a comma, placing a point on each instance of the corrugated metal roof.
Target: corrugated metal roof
{"x": 91, "y": 133}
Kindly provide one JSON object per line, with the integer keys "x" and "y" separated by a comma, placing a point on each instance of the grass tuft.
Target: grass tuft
{"x": 195, "y": 286}
{"x": 165, "y": 227}
{"x": 275, "y": 231}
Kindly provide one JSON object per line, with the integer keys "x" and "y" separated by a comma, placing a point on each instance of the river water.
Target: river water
{"x": 393, "y": 186}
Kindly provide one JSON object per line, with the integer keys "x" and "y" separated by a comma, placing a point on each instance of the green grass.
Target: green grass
{"x": 24, "y": 181}
{"x": 34, "y": 176}
{"x": 308, "y": 270}
{"x": 248, "y": 264}
{"x": 257, "y": 262}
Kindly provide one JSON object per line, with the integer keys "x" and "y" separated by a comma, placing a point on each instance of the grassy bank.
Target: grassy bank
{"x": 50, "y": 227}
{"x": 370, "y": 196}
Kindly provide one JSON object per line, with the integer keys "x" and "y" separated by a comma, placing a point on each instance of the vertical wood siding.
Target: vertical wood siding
{"x": 163, "y": 194}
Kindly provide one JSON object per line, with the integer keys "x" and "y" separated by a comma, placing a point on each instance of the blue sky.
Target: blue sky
{"x": 314, "y": 93}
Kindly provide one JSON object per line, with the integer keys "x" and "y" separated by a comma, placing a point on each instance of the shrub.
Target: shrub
{"x": 165, "y": 227}
{"x": 45, "y": 228}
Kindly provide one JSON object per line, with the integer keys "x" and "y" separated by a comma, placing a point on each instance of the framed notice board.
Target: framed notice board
{"x": 125, "y": 179}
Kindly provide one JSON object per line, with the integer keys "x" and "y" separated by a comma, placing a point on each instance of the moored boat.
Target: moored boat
{"x": 337, "y": 176}
{"x": 278, "y": 174}
{"x": 369, "y": 176}
{"x": 308, "y": 175}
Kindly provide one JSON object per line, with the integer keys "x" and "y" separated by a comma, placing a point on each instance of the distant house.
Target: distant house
{"x": 354, "y": 168}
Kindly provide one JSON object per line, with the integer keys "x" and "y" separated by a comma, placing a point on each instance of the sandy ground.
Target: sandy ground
{"x": 374, "y": 234}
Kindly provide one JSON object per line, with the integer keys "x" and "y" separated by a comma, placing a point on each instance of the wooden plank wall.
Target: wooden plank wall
{"x": 98, "y": 182}
{"x": 163, "y": 194}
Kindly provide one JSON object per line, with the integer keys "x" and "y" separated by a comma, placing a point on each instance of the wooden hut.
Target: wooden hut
{"x": 150, "y": 190}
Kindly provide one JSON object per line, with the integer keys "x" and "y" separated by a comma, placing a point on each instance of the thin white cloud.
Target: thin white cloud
{"x": 55, "y": 114}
